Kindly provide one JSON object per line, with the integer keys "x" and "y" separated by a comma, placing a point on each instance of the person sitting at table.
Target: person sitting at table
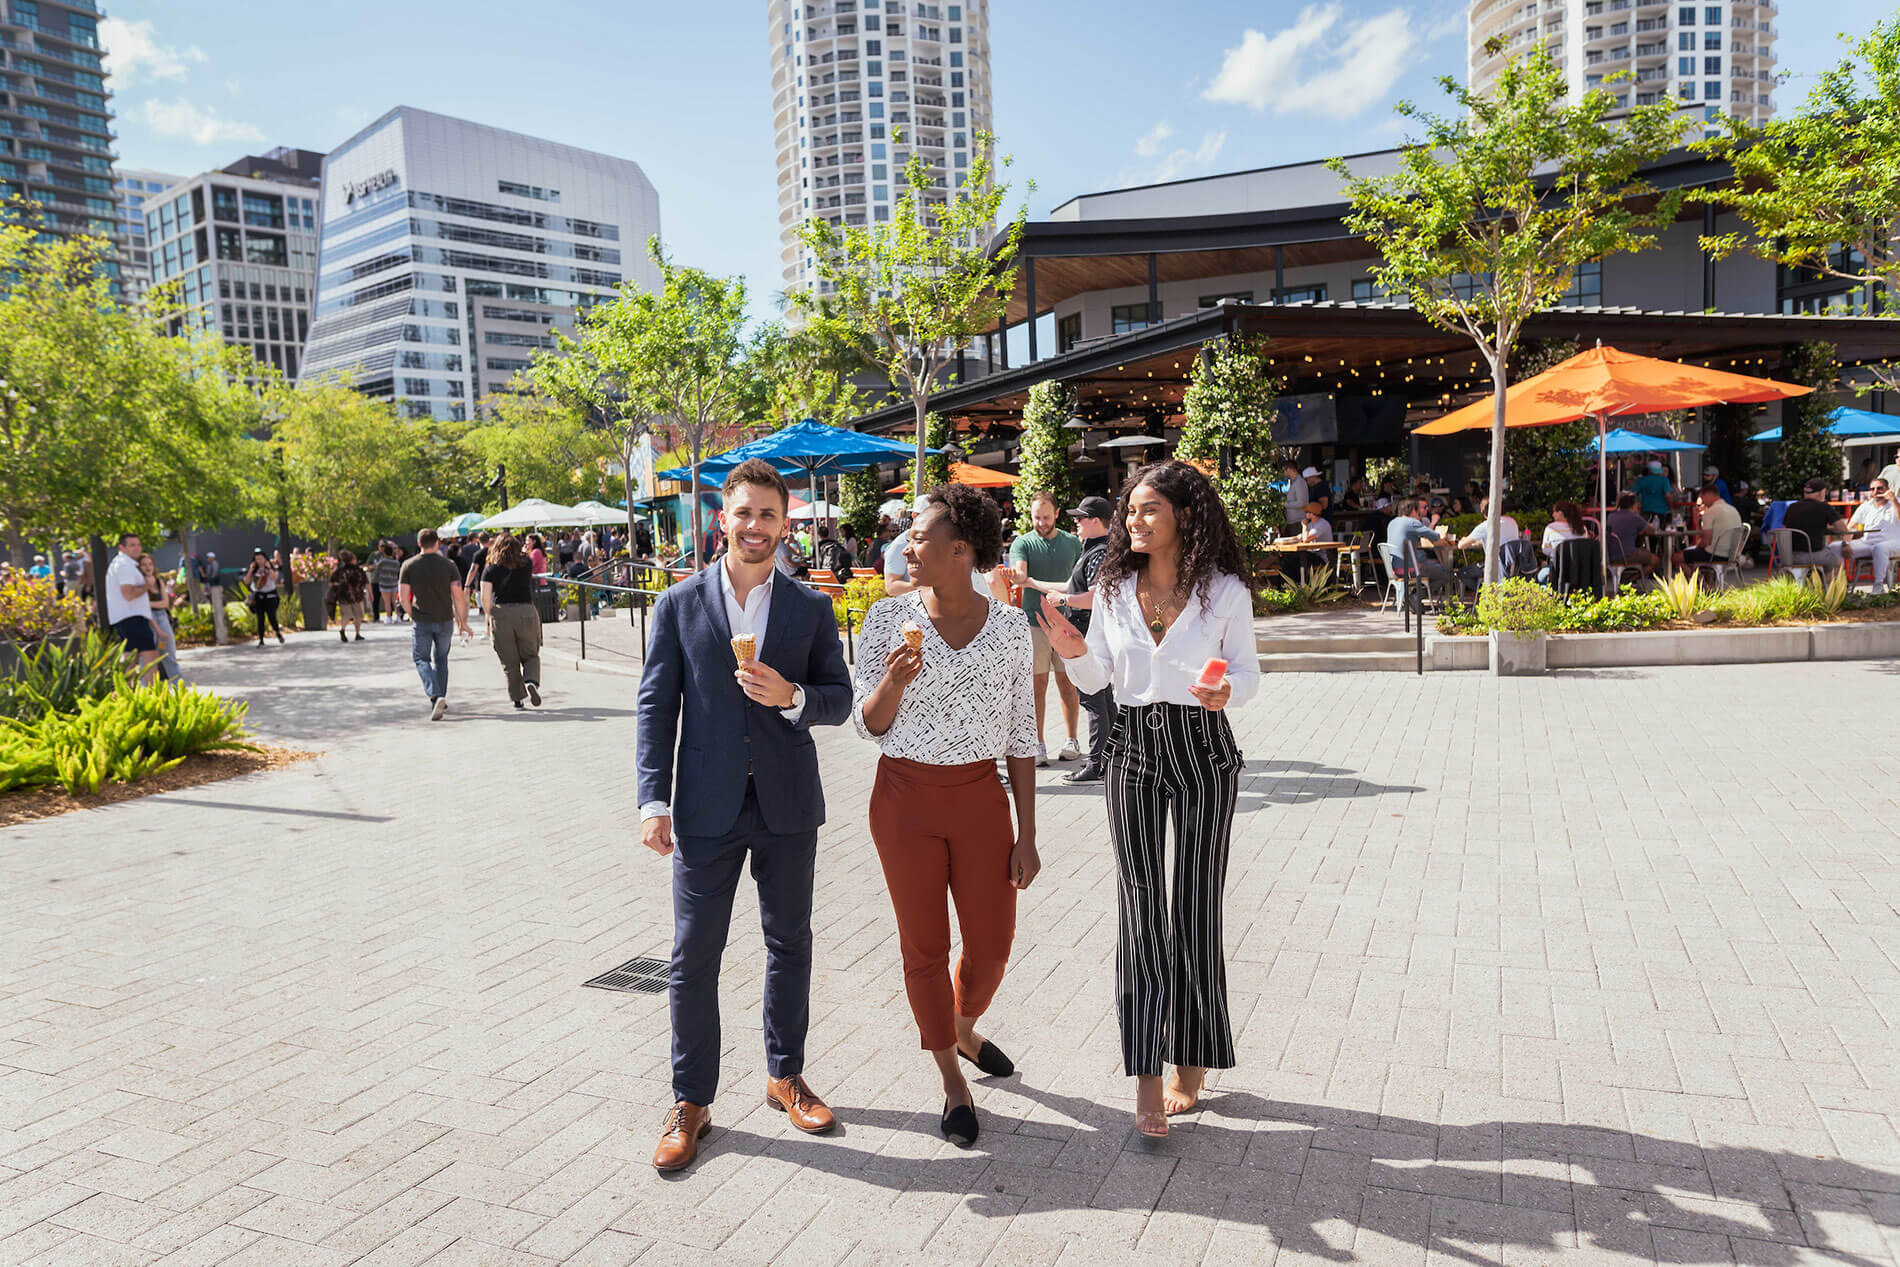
{"x": 1816, "y": 521}
{"x": 1318, "y": 488}
{"x": 1653, "y": 491}
{"x": 1880, "y": 517}
{"x": 1508, "y": 531}
{"x": 1388, "y": 493}
{"x": 1718, "y": 519}
{"x": 1358, "y": 495}
{"x": 1408, "y": 525}
{"x": 1626, "y": 528}
{"x": 1566, "y": 524}
{"x": 1313, "y": 527}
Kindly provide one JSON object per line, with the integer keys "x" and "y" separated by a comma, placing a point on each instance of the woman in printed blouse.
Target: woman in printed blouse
{"x": 945, "y": 687}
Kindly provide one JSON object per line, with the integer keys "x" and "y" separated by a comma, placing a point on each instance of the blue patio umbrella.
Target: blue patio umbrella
{"x": 1848, "y": 424}
{"x": 1625, "y": 441}
{"x": 809, "y": 448}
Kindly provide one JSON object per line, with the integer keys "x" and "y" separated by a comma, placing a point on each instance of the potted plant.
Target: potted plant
{"x": 311, "y": 573}
{"x": 1518, "y": 612}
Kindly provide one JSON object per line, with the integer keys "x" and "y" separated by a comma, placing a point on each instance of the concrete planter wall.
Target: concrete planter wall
{"x": 1517, "y": 655}
{"x": 1875, "y": 640}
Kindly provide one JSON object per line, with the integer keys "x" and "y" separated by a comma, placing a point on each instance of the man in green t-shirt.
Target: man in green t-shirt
{"x": 1047, "y": 554}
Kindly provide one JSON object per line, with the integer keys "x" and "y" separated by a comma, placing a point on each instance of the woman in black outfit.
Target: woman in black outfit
{"x": 261, "y": 576}
{"x": 514, "y": 626}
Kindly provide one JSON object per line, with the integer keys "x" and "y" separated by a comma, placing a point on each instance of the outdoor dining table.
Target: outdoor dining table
{"x": 1293, "y": 546}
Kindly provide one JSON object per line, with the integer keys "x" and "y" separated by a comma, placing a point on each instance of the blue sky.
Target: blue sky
{"x": 1089, "y": 94}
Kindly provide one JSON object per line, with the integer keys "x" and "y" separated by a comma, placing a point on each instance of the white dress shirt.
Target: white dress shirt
{"x": 749, "y": 617}
{"x": 124, "y": 570}
{"x": 1123, "y": 653}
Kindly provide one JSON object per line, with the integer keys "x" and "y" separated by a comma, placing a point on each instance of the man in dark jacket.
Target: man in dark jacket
{"x": 742, "y": 663}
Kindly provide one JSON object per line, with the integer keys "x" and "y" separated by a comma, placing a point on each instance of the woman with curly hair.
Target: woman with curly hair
{"x": 944, "y": 688}
{"x": 1173, "y": 635}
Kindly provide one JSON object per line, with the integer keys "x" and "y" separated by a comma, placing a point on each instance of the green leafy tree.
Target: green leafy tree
{"x": 1488, "y": 217}
{"x": 1546, "y": 465}
{"x": 1227, "y": 429}
{"x": 1807, "y": 449}
{"x": 549, "y": 449}
{"x": 1045, "y": 466}
{"x": 860, "y": 499}
{"x": 353, "y": 470}
{"x": 106, "y": 422}
{"x": 919, "y": 285}
{"x": 1819, "y": 189}
{"x": 673, "y": 363}
{"x": 809, "y": 372}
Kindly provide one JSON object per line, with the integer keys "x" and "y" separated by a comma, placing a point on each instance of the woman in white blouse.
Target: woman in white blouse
{"x": 944, "y": 687}
{"x": 1169, "y": 597}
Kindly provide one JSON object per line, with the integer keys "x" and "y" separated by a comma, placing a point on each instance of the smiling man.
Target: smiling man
{"x": 743, "y": 661}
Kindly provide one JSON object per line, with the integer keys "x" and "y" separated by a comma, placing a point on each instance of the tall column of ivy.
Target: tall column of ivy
{"x": 1045, "y": 465}
{"x": 1806, "y": 449}
{"x": 1229, "y": 406}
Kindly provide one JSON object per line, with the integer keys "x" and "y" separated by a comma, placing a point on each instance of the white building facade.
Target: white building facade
{"x": 1714, "y": 57}
{"x": 449, "y": 250}
{"x": 243, "y": 250}
{"x": 858, "y": 86}
{"x": 135, "y": 255}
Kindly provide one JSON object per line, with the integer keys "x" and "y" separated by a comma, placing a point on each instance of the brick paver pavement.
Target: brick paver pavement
{"x": 1600, "y": 967}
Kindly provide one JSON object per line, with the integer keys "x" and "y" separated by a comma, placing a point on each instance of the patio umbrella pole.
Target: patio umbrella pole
{"x": 1603, "y": 508}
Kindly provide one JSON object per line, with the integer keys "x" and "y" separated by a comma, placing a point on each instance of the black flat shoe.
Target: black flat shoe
{"x": 959, "y": 1124}
{"x": 990, "y": 1060}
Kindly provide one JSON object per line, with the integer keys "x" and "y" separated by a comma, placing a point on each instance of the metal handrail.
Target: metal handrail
{"x": 637, "y": 612}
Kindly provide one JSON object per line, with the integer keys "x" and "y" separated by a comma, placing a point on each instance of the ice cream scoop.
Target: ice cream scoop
{"x": 745, "y": 647}
{"x": 914, "y": 635}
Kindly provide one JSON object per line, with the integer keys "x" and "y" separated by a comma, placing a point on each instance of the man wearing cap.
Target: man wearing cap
{"x": 1076, "y": 597}
{"x": 1317, "y": 490}
{"x": 1712, "y": 476}
{"x": 1719, "y": 521}
{"x": 1652, "y": 491}
{"x": 1816, "y": 521}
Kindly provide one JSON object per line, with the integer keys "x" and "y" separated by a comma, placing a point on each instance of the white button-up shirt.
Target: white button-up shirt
{"x": 124, "y": 570}
{"x": 1123, "y": 653}
{"x": 1878, "y": 518}
{"x": 749, "y": 617}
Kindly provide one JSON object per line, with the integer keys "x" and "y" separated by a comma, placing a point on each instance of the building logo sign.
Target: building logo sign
{"x": 354, "y": 189}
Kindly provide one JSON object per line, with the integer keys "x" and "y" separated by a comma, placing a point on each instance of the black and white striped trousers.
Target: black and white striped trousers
{"x": 1178, "y": 763}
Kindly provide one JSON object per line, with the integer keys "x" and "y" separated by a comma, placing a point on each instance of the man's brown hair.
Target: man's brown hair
{"x": 758, "y": 471}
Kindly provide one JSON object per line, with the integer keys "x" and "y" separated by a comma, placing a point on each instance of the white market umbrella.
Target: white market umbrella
{"x": 820, "y": 509}
{"x": 894, "y": 508}
{"x": 535, "y": 512}
{"x": 599, "y": 514}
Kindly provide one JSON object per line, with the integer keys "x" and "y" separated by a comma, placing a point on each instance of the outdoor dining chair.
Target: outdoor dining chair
{"x": 1727, "y": 560}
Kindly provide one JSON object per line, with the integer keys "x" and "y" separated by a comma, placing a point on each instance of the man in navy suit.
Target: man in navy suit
{"x": 745, "y": 783}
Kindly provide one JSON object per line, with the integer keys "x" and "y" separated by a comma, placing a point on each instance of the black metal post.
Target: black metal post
{"x": 1154, "y": 291}
{"x": 580, "y": 601}
{"x": 850, "y": 646}
{"x": 1029, "y": 280}
{"x": 1279, "y": 274}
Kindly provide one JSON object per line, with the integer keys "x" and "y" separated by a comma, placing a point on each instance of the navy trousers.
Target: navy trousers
{"x": 705, "y": 877}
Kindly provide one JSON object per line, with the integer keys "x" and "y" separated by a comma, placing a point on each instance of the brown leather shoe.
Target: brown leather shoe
{"x": 686, "y": 1124}
{"x": 793, "y": 1098}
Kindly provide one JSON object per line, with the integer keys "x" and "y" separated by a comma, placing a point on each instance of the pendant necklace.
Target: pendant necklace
{"x": 1158, "y": 624}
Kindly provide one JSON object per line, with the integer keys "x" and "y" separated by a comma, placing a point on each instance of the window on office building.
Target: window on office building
{"x": 1367, "y": 288}
{"x": 1586, "y": 286}
{"x": 1301, "y": 295}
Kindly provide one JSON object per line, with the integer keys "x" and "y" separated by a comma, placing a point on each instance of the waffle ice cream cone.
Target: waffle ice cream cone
{"x": 745, "y": 648}
{"x": 914, "y": 635}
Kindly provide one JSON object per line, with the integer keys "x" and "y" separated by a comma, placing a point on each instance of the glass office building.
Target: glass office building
{"x": 134, "y": 187}
{"x": 450, "y": 250}
{"x": 241, "y": 242}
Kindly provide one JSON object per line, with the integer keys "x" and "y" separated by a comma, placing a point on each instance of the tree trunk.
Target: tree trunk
{"x": 921, "y": 399}
{"x": 1500, "y": 379}
{"x": 194, "y": 592}
{"x": 698, "y": 516}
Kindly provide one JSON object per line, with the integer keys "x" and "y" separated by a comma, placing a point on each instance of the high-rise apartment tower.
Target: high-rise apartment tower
{"x": 1713, "y": 58}
{"x": 56, "y": 117}
{"x": 857, "y": 87}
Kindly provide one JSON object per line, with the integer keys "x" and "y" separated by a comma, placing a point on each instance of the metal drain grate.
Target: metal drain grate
{"x": 636, "y": 976}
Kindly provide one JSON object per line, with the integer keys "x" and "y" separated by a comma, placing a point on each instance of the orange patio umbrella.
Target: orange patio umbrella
{"x": 1603, "y": 383}
{"x": 975, "y": 476}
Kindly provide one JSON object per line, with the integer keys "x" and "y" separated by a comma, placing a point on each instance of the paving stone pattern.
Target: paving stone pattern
{"x": 1600, "y": 967}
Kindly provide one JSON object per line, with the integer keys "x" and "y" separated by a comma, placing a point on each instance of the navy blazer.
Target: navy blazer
{"x": 689, "y": 674}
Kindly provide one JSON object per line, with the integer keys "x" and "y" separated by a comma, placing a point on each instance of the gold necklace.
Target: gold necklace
{"x": 1158, "y": 623}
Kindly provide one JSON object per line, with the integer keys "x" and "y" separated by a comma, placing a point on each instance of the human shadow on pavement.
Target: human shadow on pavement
{"x": 274, "y": 809}
{"x": 1264, "y": 783}
{"x": 1479, "y": 1193}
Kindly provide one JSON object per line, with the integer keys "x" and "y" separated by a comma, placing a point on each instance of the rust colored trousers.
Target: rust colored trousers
{"x": 946, "y": 830}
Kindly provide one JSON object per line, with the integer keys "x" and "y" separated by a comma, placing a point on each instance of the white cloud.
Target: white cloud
{"x": 1316, "y": 66}
{"x": 199, "y": 124}
{"x": 132, "y": 50}
{"x": 1150, "y": 143}
{"x": 1183, "y": 162}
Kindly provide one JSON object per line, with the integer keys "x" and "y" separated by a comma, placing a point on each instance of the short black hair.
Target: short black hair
{"x": 126, "y": 536}
{"x": 974, "y": 519}
{"x": 427, "y": 537}
{"x": 758, "y": 471}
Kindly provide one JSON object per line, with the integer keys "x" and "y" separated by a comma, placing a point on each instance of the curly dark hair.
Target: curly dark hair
{"x": 1209, "y": 547}
{"x": 975, "y": 521}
